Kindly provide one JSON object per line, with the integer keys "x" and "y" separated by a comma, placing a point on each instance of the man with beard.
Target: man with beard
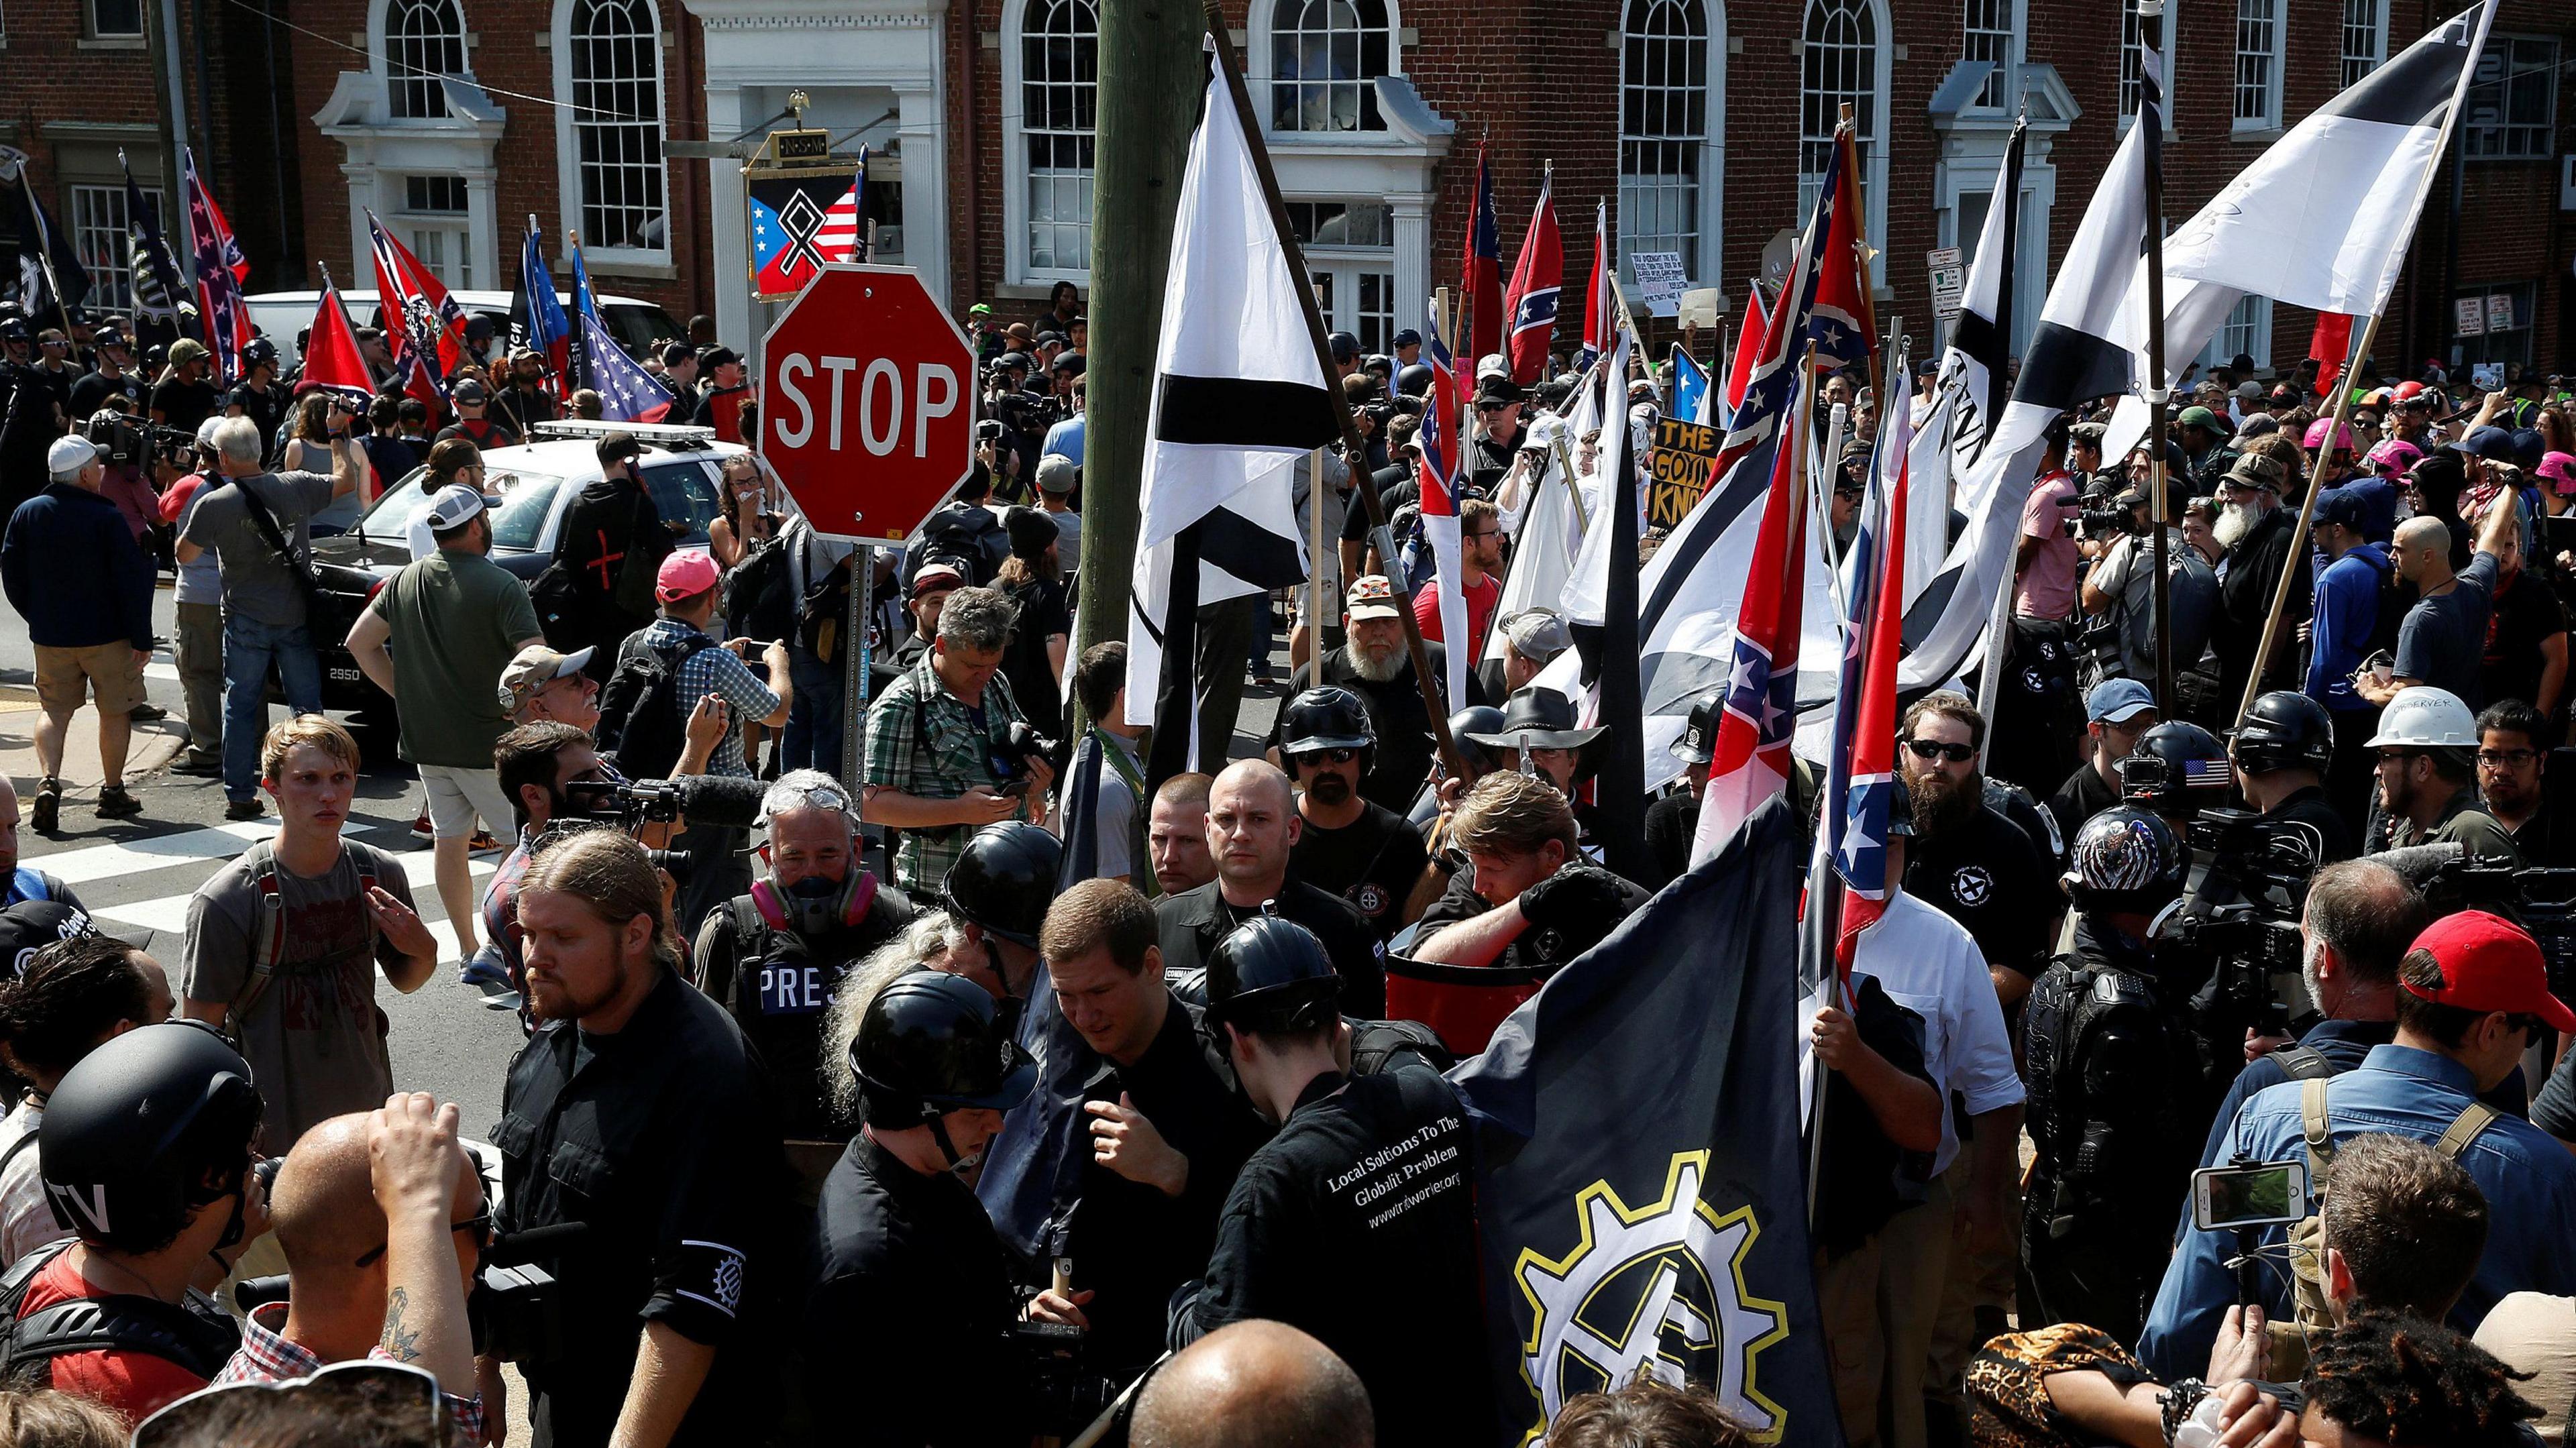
{"x": 2427, "y": 744}
{"x": 2443, "y": 638}
{"x": 1968, "y": 861}
{"x": 2261, "y": 539}
{"x": 1365, "y": 853}
{"x": 1374, "y": 664}
{"x": 2513, "y": 748}
{"x": 1252, "y": 828}
{"x": 638, "y": 1110}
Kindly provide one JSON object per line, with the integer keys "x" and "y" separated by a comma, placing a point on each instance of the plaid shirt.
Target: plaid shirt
{"x": 266, "y": 1357}
{"x": 922, "y": 742}
{"x": 716, "y": 671}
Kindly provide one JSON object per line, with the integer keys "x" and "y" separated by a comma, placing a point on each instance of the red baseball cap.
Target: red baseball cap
{"x": 2489, "y": 963}
{"x": 684, "y": 575}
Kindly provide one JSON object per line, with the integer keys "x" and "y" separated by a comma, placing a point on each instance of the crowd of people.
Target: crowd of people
{"x": 1033, "y": 1083}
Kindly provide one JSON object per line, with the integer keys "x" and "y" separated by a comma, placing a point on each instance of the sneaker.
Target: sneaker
{"x": 243, "y": 809}
{"x": 420, "y": 829}
{"x": 146, "y": 713}
{"x": 189, "y": 764}
{"x": 47, "y": 811}
{"x": 115, "y": 802}
{"x": 482, "y": 841}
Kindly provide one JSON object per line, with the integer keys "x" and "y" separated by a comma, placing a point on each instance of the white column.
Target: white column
{"x": 1412, "y": 258}
{"x": 734, "y": 320}
{"x": 483, "y": 230}
{"x": 361, "y": 173}
{"x": 925, "y": 186}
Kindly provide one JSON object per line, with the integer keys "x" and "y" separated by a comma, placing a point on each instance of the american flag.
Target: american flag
{"x": 221, "y": 268}
{"x": 843, "y": 236}
{"x": 627, "y": 393}
{"x": 1538, "y": 279}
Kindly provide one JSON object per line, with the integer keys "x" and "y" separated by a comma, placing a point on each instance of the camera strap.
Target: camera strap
{"x": 297, "y": 568}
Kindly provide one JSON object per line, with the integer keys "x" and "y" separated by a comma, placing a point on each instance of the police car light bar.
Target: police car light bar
{"x": 666, "y": 434}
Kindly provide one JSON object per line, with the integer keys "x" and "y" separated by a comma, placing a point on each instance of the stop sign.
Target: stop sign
{"x": 866, "y": 392}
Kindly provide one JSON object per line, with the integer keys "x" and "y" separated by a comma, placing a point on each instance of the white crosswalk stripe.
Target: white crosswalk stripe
{"x": 170, "y": 912}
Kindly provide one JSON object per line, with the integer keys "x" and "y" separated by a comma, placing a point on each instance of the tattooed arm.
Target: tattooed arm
{"x": 426, "y": 1186}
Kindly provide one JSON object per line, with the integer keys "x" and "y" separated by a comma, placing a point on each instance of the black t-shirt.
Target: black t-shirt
{"x": 1190, "y": 924}
{"x": 2084, "y": 794}
{"x": 267, "y": 410}
{"x": 484, "y": 432}
{"x": 1371, "y": 862}
{"x": 911, "y": 1281}
{"x": 2526, "y": 615}
{"x": 1024, "y": 659}
{"x": 1672, "y": 822}
{"x": 1987, "y": 875}
{"x": 183, "y": 405}
{"x": 522, "y": 408}
{"x": 1356, "y": 1224}
{"x": 2307, "y": 817}
{"x": 93, "y": 391}
{"x": 1404, "y": 748}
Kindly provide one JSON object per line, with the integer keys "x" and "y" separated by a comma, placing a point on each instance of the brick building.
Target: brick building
{"x": 1698, "y": 122}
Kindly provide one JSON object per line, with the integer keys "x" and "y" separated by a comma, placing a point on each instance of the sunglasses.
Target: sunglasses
{"x": 480, "y": 1224}
{"x": 1935, "y": 749}
{"x": 1327, "y": 756}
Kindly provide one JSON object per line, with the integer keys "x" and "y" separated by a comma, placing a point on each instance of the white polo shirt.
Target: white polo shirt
{"x": 1929, "y": 964}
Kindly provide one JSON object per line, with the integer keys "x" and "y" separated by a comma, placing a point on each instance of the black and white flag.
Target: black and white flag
{"x": 1240, "y": 398}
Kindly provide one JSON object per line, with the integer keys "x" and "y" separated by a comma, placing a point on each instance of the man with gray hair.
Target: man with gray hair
{"x": 775, "y": 957}
{"x": 256, "y": 523}
{"x": 941, "y": 760}
{"x": 73, "y": 570}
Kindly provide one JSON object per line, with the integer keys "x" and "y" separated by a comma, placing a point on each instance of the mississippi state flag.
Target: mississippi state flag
{"x": 1537, "y": 279}
{"x": 1483, "y": 273}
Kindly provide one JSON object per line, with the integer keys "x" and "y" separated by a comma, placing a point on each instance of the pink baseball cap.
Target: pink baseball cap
{"x": 684, "y": 575}
{"x": 2317, "y": 435}
{"x": 2394, "y": 456}
{"x": 2560, "y": 469}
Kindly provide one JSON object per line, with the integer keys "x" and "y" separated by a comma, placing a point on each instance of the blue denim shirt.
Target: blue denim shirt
{"x": 2528, "y": 1178}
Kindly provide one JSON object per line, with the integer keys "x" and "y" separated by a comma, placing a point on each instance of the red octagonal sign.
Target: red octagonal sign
{"x": 867, "y": 402}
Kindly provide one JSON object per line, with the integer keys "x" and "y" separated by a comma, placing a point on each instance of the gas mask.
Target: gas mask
{"x": 814, "y": 906}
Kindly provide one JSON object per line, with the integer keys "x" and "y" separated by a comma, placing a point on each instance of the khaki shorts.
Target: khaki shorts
{"x": 113, "y": 677}
{"x": 457, "y": 795}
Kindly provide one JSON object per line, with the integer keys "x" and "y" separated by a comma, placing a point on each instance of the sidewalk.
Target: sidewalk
{"x": 155, "y": 745}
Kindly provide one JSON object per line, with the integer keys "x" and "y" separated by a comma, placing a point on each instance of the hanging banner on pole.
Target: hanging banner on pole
{"x": 803, "y": 205}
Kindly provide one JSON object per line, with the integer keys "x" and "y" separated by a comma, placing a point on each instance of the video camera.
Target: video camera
{"x": 126, "y": 441}
{"x": 514, "y": 1306}
{"x": 2245, "y": 917}
{"x": 2540, "y": 900}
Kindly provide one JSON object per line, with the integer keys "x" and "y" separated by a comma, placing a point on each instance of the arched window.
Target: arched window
{"x": 1059, "y": 107}
{"x": 1663, "y": 129}
{"x": 424, "y": 39}
{"x": 1324, "y": 57}
{"x": 614, "y": 49}
{"x": 1839, "y": 66}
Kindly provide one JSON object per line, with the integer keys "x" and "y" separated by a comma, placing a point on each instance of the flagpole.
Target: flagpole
{"x": 2151, "y": 23}
{"x": 45, "y": 251}
{"x": 2361, "y": 348}
{"x": 1419, "y": 655}
{"x": 1860, "y": 247}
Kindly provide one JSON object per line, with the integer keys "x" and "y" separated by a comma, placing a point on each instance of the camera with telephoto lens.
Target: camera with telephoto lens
{"x": 2245, "y": 917}
{"x": 123, "y": 440}
{"x": 1016, "y": 747}
{"x": 2100, "y": 524}
{"x": 2540, "y": 900}
{"x": 629, "y": 805}
{"x": 514, "y": 1306}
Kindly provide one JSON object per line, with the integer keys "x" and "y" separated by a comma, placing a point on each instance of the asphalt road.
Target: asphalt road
{"x": 136, "y": 875}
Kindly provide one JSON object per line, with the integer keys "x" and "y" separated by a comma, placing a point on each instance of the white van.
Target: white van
{"x": 280, "y": 315}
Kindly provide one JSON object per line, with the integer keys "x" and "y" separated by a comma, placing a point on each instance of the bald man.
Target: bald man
{"x": 382, "y": 1218}
{"x": 1251, "y": 826}
{"x": 2443, "y": 639}
{"x": 1254, "y": 1385}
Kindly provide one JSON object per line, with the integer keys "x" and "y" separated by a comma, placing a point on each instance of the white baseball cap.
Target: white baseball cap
{"x": 69, "y": 454}
{"x": 450, "y": 506}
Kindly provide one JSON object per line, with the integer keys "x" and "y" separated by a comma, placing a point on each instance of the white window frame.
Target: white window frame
{"x": 569, "y": 177}
{"x": 2500, "y": 50}
{"x": 98, "y": 209}
{"x": 1871, "y": 139}
{"x": 457, "y": 271}
{"x": 1015, "y": 152}
{"x": 2255, "y": 313}
{"x": 2275, "y": 23}
{"x": 1996, "y": 95}
{"x": 91, "y": 30}
{"x": 1262, "y": 51}
{"x": 1699, "y": 262}
{"x": 380, "y": 43}
{"x": 2372, "y": 16}
{"x": 2131, "y": 53}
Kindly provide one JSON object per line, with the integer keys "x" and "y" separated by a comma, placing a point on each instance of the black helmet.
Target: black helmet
{"x": 2126, "y": 858}
{"x": 1414, "y": 381}
{"x": 1698, "y": 744}
{"x": 2171, "y": 760}
{"x": 256, "y": 351}
{"x": 129, "y": 1136}
{"x": 2284, "y": 730}
{"x": 1325, "y": 718}
{"x": 932, "y": 1043}
{"x": 1004, "y": 880}
{"x": 1271, "y": 975}
{"x": 1475, "y": 719}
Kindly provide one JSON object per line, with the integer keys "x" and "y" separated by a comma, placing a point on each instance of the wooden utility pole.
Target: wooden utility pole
{"x": 1151, "y": 77}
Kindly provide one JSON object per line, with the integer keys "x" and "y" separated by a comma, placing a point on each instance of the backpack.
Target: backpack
{"x": 268, "y": 934}
{"x": 641, "y": 722}
{"x": 760, "y": 595}
{"x": 968, "y": 535}
{"x": 2072, "y": 1000}
{"x": 197, "y": 1339}
{"x": 2312, "y": 1311}
{"x": 823, "y": 614}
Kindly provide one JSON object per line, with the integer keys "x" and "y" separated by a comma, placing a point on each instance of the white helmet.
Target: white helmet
{"x": 2424, "y": 717}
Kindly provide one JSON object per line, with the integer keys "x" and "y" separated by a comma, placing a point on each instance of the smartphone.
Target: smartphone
{"x": 2262, "y": 1194}
{"x": 1015, "y": 788}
